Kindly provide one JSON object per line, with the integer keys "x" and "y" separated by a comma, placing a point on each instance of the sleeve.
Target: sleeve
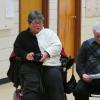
{"x": 18, "y": 47}
{"x": 81, "y": 60}
{"x": 54, "y": 43}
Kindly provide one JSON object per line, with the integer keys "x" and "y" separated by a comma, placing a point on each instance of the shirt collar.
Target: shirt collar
{"x": 93, "y": 41}
{"x": 38, "y": 34}
{"x": 29, "y": 32}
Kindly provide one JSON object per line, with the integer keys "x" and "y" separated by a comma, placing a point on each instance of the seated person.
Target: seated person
{"x": 88, "y": 63}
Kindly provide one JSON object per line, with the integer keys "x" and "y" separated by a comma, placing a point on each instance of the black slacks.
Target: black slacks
{"x": 37, "y": 79}
{"x": 83, "y": 90}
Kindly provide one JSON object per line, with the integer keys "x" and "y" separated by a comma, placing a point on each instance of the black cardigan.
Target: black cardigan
{"x": 26, "y": 42}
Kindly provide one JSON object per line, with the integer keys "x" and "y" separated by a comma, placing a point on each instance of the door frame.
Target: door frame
{"x": 77, "y": 26}
{"x": 45, "y": 12}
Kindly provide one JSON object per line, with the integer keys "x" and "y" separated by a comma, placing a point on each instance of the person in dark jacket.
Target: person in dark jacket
{"x": 88, "y": 65}
{"x": 39, "y": 48}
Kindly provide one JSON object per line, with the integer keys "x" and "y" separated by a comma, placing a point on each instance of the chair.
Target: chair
{"x": 95, "y": 95}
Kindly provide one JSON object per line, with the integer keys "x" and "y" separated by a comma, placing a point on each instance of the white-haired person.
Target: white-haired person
{"x": 39, "y": 48}
{"x": 88, "y": 65}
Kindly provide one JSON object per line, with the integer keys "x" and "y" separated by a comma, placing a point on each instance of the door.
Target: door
{"x": 26, "y": 6}
{"x": 69, "y": 26}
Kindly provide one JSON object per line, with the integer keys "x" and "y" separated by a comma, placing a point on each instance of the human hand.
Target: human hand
{"x": 44, "y": 56}
{"x": 86, "y": 78}
{"x": 29, "y": 56}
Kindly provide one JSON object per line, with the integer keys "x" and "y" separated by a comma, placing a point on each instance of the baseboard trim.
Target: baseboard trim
{"x": 4, "y": 80}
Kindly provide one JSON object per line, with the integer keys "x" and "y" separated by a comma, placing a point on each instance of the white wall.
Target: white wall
{"x": 53, "y": 14}
{"x": 8, "y": 30}
{"x": 88, "y": 21}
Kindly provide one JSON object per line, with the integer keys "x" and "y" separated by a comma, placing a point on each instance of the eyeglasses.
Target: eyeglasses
{"x": 37, "y": 21}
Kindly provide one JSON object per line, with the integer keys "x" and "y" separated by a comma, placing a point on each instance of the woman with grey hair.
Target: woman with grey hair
{"x": 39, "y": 48}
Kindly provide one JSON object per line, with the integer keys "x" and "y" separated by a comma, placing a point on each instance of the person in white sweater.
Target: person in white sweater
{"x": 39, "y": 48}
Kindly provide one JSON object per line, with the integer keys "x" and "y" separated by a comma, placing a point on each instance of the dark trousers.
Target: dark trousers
{"x": 83, "y": 90}
{"x": 53, "y": 83}
{"x": 51, "y": 80}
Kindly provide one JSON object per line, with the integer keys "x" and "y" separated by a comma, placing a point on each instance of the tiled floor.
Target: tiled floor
{"x": 7, "y": 90}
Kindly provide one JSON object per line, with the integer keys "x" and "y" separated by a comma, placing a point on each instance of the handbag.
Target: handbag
{"x": 67, "y": 63}
{"x": 13, "y": 71}
{"x": 71, "y": 84}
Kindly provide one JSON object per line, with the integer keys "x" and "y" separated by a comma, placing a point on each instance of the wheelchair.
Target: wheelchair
{"x": 66, "y": 62}
{"x": 17, "y": 94}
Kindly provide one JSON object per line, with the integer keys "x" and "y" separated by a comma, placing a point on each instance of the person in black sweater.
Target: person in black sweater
{"x": 87, "y": 64}
{"x": 39, "y": 48}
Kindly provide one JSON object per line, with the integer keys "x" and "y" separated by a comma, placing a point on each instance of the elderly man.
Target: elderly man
{"x": 39, "y": 48}
{"x": 88, "y": 65}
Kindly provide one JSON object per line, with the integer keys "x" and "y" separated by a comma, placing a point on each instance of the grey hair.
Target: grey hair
{"x": 96, "y": 26}
{"x": 35, "y": 15}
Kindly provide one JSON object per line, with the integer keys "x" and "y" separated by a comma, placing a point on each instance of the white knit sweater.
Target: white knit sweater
{"x": 49, "y": 41}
